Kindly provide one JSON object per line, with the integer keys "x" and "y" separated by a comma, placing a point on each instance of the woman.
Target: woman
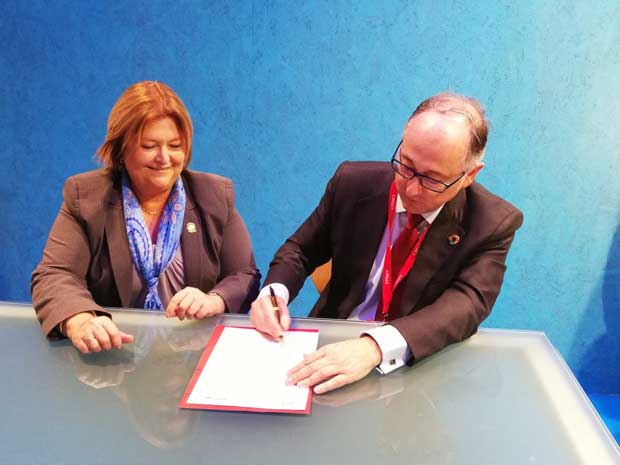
{"x": 143, "y": 232}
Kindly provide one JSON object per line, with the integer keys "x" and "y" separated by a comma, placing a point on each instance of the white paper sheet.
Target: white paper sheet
{"x": 245, "y": 371}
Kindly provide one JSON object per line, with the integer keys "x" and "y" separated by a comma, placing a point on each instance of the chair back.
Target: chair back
{"x": 321, "y": 276}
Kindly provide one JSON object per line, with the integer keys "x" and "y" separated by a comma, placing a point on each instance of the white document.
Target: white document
{"x": 241, "y": 370}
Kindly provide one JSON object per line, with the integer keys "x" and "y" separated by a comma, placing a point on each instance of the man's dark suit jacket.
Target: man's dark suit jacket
{"x": 451, "y": 287}
{"x": 87, "y": 264}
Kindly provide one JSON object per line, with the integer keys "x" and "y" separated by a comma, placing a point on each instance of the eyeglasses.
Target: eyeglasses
{"x": 426, "y": 182}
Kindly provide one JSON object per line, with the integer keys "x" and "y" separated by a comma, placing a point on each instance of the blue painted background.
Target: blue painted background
{"x": 281, "y": 92}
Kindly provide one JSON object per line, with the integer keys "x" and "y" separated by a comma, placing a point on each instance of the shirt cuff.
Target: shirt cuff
{"x": 279, "y": 289}
{"x": 394, "y": 348}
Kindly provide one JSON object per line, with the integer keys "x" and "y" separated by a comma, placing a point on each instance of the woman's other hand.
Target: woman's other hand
{"x": 90, "y": 333}
{"x": 193, "y": 304}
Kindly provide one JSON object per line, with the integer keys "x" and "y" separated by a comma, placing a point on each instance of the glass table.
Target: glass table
{"x": 501, "y": 397}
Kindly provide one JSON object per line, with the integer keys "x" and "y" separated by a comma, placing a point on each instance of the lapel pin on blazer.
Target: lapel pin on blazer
{"x": 191, "y": 228}
{"x": 454, "y": 239}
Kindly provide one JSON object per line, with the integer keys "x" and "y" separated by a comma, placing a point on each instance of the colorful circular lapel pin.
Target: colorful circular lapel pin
{"x": 191, "y": 228}
{"x": 454, "y": 239}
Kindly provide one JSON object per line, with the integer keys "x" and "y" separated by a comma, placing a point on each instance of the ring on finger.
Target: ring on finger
{"x": 90, "y": 340}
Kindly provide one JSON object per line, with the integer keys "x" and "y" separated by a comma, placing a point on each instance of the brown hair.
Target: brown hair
{"x": 141, "y": 103}
{"x": 470, "y": 108}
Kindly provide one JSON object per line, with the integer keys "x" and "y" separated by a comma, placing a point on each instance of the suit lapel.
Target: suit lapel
{"x": 435, "y": 249}
{"x": 118, "y": 247}
{"x": 191, "y": 242}
{"x": 368, "y": 226}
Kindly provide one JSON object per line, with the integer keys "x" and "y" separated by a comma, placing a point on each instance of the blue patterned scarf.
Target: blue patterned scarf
{"x": 151, "y": 261}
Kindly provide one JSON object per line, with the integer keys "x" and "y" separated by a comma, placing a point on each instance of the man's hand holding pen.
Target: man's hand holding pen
{"x": 270, "y": 316}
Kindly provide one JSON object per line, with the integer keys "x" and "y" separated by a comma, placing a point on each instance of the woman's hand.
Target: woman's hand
{"x": 90, "y": 333}
{"x": 193, "y": 304}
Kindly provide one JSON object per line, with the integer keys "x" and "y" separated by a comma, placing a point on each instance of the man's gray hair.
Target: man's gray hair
{"x": 471, "y": 109}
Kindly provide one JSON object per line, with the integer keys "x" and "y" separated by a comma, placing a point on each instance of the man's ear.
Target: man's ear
{"x": 472, "y": 173}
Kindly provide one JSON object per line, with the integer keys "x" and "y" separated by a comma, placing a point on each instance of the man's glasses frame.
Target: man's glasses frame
{"x": 426, "y": 182}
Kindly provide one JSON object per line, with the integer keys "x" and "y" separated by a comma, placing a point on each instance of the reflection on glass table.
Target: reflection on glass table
{"x": 501, "y": 397}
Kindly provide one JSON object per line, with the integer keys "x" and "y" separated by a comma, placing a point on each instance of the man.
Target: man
{"x": 418, "y": 244}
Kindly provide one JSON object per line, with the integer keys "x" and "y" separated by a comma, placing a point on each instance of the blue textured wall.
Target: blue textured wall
{"x": 281, "y": 92}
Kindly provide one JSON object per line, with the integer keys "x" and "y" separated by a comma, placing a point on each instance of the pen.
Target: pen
{"x": 274, "y": 304}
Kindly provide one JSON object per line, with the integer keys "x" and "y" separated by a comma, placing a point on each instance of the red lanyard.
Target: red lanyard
{"x": 388, "y": 284}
